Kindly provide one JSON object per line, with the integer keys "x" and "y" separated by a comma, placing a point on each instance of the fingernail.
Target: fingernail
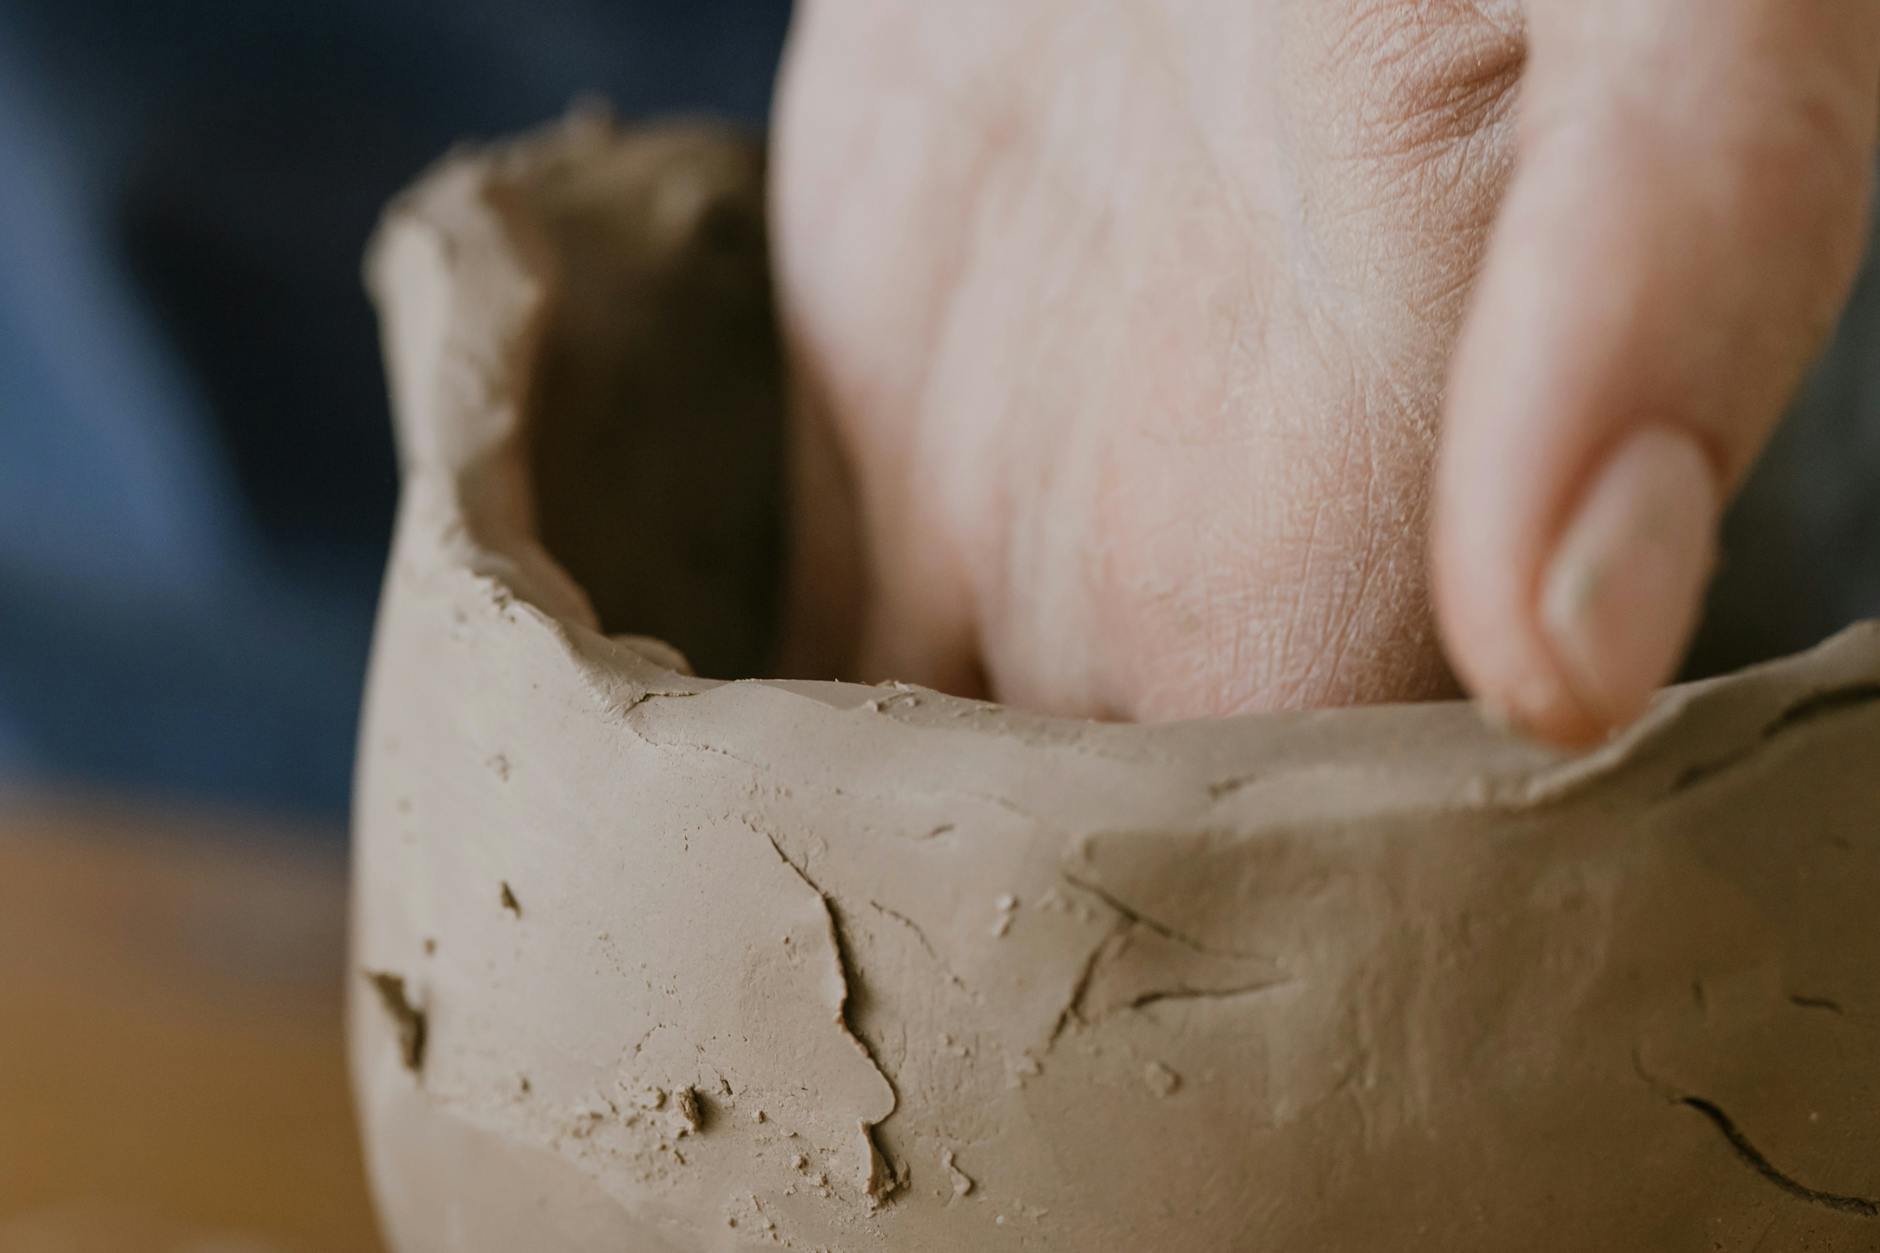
{"x": 1622, "y": 596}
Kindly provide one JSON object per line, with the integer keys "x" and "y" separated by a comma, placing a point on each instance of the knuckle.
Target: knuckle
{"x": 1431, "y": 73}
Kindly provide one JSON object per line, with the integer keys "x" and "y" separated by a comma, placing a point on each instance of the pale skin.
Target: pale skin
{"x": 1196, "y": 357}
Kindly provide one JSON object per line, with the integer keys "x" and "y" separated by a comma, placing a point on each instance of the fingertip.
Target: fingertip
{"x": 1577, "y": 647}
{"x": 1541, "y": 707}
{"x": 1497, "y": 649}
{"x": 1620, "y": 596}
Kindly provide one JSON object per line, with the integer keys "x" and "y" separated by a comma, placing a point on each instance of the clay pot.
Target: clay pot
{"x": 653, "y": 962}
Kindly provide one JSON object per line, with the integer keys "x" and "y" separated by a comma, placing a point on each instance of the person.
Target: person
{"x": 1160, "y": 339}
{"x": 1137, "y": 325}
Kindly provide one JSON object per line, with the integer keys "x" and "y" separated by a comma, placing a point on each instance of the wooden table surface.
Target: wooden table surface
{"x": 171, "y": 1077}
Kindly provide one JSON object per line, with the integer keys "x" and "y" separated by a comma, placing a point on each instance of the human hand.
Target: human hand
{"x": 1134, "y": 325}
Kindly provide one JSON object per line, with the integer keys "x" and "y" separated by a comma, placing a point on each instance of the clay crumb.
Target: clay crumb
{"x": 1161, "y": 1080}
{"x": 685, "y": 1116}
{"x": 407, "y": 1018}
{"x": 799, "y": 1162}
{"x": 962, "y": 1182}
{"x": 509, "y": 901}
{"x": 758, "y": 1115}
{"x": 1007, "y": 906}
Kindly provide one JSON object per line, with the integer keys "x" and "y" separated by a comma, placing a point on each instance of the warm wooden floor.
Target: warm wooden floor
{"x": 171, "y": 1078}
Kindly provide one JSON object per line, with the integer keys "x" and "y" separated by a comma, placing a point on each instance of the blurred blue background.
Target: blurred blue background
{"x": 196, "y": 474}
{"x": 196, "y": 471}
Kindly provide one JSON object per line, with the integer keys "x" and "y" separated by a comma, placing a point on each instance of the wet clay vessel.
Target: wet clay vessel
{"x": 650, "y": 962}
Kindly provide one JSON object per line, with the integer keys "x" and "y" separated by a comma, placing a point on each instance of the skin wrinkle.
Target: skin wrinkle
{"x": 1462, "y": 176}
{"x": 1318, "y": 680}
{"x": 1342, "y": 637}
{"x": 1342, "y": 607}
{"x": 1434, "y": 97}
{"x": 1311, "y": 549}
{"x": 1286, "y": 644}
{"x": 1347, "y": 628}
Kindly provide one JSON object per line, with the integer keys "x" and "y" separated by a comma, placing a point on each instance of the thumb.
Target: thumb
{"x": 1688, "y": 209}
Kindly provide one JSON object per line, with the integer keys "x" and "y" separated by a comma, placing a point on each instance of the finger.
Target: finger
{"x": 1686, "y": 216}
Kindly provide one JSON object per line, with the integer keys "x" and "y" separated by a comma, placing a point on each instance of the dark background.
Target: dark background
{"x": 196, "y": 472}
{"x": 196, "y": 475}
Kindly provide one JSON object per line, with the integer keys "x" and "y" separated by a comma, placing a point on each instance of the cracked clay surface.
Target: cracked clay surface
{"x": 648, "y": 961}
